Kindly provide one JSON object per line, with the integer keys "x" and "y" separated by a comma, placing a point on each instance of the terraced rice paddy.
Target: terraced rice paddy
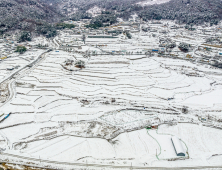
{"x": 99, "y": 113}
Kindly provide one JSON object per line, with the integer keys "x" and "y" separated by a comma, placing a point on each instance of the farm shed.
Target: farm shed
{"x": 155, "y": 50}
{"x": 155, "y": 126}
{"x": 177, "y": 146}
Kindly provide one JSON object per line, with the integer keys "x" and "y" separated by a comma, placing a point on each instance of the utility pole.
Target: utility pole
{"x": 131, "y": 167}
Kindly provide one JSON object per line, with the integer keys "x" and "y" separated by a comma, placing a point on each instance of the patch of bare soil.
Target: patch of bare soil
{"x": 4, "y": 92}
{"x": 7, "y": 166}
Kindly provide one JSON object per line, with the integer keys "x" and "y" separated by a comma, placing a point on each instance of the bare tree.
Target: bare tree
{"x": 84, "y": 38}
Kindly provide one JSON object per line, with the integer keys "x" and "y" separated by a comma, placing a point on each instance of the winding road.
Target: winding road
{"x": 71, "y": 164}
{"x": 11, "y": 85}
{"x": 20, "y": 73}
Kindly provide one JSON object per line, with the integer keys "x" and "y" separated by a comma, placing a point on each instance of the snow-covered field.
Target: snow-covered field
{"x": 10, "y": 65}
{"x": 54, "y": 103}
{"x": 99, "y": 114}
{"x": 204, "y": 143}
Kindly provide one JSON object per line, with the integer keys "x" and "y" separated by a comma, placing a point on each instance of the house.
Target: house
{"x": 155, "y": 50}
{"x": 154, "y": 126}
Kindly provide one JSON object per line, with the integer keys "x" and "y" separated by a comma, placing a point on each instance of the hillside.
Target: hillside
{"x": 189, "y": 12}
{"x": 184, "y": 11}
{"x": 25, "y": 14}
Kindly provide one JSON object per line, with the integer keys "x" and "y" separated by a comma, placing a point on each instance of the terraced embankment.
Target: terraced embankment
{"x": 98, "y": 113}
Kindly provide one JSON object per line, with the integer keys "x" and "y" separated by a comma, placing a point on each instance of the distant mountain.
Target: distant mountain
{"x": 25, "y": 14}
{"x": 29, "y": 14}
{"x": 184, "y": 11}
{"x": 67, "y": 6}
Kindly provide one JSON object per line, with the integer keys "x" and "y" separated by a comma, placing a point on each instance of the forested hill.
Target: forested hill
{"x": 184, "y": 11}
{"x": 32, "y": 15}
{"x": 67, "y": 6}
{"x": 25, "y": 14}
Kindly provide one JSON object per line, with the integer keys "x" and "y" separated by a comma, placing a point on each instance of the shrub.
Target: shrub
{"x": 171, "y": 45}
{"x": 47, "y": 30}
{"x": 24, "y": 36}
{"x": 64, "y": 25}
{"x": 184, "y": 47}
{"x": 128, "y": 34}
{"x": 21, "y": 49}
{"x": 84, "y": 38}
{"x": 80, "y": 64}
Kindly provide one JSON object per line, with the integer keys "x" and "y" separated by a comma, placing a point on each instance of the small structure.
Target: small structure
{"x": 155, "y": 126}
{"x": 155, "y": 50}
{"x": 203, "y": 118}
{"x": 10, "y": 68}
{"x": 188, "y": 56}
{"x": 207, "y": 48}
{"x": 177, "y": 146}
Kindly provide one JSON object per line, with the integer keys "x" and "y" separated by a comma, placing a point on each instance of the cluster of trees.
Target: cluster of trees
{"x": 80, "y": 64}
{"x": 184, "y": 47}
{"x": 196, "y": 12}
{"x": 24, "y": 36}
{"x": 84, "y": 38}
{"x": 21, "y": 49}
{"x": 80, "y": 15}
{"x": 127, "y": 33}
{"x": 103, "y": 20}
{"x": 171, "y": 45}
{"x": 64, "y": 25}
{"x": 42, "y": 46}
{"x": 48, "y": 30}
{"x": 167, "y": 42}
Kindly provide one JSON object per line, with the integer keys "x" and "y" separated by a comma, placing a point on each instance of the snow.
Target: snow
{"x": 209, "y": 100}
{"x": 99, "y": 114}
{"x": 152, "y": 2}
{"x": 95, "y": 11}
{"x": 20, "y": 132}
{"x": 75, "y": 148}
{"x": 201, "y": 141}
{"x": 15, "y": 119}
